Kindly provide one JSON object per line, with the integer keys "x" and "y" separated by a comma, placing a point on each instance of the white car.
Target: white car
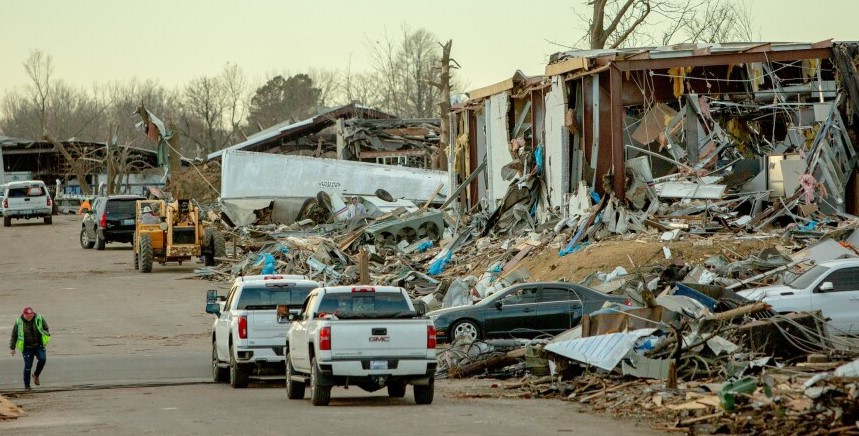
{"x": 831, "y": 287}
{"x": 248, "y": 334}
{"x": 364, "y": 336}
{"x": 26, "y": 199}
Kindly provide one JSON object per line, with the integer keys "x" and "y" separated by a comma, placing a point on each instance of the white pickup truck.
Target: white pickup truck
{"x": 251, "y": 324}
{"x": 364, "y": 336}
{"x": 26, "y": 199}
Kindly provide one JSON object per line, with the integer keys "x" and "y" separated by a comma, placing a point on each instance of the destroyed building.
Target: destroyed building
{"x": 135, "y": 168}
{"x": 351, "y": 132}
{"x": 743, "y": 121}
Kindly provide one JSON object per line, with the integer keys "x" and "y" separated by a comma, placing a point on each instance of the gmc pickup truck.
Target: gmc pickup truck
{"x": 364, "y": 336}
{"x": 251, "y": 324}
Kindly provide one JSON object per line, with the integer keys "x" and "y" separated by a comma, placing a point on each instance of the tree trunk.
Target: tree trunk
{"x": 76, "y": 168}
{"x": 173, "y": 157}
{"x": 444, "y": 106}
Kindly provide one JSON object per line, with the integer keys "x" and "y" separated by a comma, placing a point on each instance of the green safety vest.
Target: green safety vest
{"x": 46, "y": 338}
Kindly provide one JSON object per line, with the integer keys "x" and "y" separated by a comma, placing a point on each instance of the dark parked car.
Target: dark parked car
{"x": 110, "y": 220}
{"x": 522, "y": 311}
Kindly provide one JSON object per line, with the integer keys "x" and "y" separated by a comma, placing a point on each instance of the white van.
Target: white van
{"x": 26, "y": 199}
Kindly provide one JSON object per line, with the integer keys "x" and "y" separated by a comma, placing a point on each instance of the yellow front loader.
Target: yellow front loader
{"x": 172, "y": 232}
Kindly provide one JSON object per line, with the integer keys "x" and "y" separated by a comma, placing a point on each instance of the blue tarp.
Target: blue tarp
{"x": 438, "y": 266}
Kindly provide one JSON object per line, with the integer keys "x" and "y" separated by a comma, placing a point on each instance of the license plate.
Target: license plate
{"x": 378, "y": 364}
{"x": 128, "y": 222}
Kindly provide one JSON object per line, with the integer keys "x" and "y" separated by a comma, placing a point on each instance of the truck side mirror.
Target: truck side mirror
{"x": 213, "y": 308}
{"x": 826, "y": 287}
{"x": 211, "y": 295}
{"x": 293, "y": 317}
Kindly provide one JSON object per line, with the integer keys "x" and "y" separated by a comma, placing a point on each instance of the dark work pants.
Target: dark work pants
{"x": 29, "y": 354}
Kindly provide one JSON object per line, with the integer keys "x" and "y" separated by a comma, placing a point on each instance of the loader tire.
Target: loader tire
{"x": 144, "y": 254}
{"x": 136, "y": 260}
{"x": 214, "y": 246}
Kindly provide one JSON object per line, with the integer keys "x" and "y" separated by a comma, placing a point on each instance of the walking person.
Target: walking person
{"x": 30, "y": 336}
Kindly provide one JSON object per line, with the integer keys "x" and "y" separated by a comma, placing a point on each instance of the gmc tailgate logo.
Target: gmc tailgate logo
{"x": 380, "y": 339}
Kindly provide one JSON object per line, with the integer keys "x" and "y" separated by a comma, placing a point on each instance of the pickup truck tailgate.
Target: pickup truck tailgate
{"x": 383, "y": 338}
{"x": 264, "y": 330}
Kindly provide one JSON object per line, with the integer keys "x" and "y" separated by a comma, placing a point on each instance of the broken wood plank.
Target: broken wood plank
{"x": 432, "y": 197}
{"x": 607, "y": 390}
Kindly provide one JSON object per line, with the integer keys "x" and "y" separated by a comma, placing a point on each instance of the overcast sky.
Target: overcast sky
{"x": 173, "y": 41}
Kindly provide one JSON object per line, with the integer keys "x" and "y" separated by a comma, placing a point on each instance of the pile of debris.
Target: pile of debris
{"x": 696, "y": 358}
{"x": 407, "y": 142}
{"x": 199, "y": 182}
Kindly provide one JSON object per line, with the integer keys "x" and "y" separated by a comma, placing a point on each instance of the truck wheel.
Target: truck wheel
{"x": 219, "y": 375}
{"x": 49, "y": 220}
{"x": 7, "y": 221}
{"x": 294, "y": 389}
{"x": 145, "y": 253}
{"x": 99, "y": 241}
{"x": 85, "y": 240}
{"x": 397, "y": 389}
{"x": 424, "y": 393}
{"x": 238, "y": 375}
{"x": 319, "y": 395}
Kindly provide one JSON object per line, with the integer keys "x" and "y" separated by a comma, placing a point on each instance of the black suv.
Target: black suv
{"x": 110, "y": 220}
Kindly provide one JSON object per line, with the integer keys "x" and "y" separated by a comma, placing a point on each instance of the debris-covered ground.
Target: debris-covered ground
{"x": 719, "y": 195}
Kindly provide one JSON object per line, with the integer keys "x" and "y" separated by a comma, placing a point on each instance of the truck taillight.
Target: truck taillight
{"x": 103, "y": 221}
{"x": 49, "y": 201}
{"x": 5, "y": 204}
{"x": 243, "y": 327}
{"x": 431, "y": 337}
{"x": 325, "y": 339}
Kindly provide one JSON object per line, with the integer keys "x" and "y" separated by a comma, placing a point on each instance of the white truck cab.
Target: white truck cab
{"x": 250, "y": 326}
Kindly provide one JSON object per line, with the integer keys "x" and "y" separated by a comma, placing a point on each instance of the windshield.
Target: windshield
{"x": 365, "y": 305}
{"x": 809, "y": 277}
{"x": 271, "y": 296}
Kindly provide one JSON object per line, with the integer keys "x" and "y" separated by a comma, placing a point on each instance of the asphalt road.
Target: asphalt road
{"x": 130, "y": 355}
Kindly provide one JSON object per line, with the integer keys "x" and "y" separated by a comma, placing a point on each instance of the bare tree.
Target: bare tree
{"x": 328, "y": 83}
{"x": 40, "y": 69}
{"x": 236, "y": 99}
{"x": 625, "y": 23}
{"x": 363, "y": 87}
{"x": 404, "y": 71}
{"x": 202, "y": 111}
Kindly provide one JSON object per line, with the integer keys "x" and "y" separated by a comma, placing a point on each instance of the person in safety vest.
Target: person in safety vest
{"x": 30, "y": 336}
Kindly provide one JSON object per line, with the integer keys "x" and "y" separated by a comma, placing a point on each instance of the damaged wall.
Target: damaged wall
{"x": 262, "y": 177}
{"x": 557, "y": 143}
